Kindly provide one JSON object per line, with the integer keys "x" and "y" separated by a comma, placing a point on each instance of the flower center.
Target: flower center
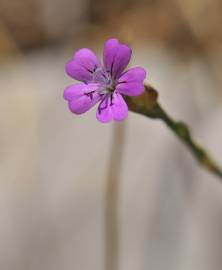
{"x": 107, "y": 84}
{"x": 110, "y": 87}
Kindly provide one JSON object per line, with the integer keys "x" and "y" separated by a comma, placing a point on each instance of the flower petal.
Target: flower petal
{"x": 112, "y": 107}
{"x": 131, "y": 82}
{"x": 81, "y": 97}
{"x": 83, "y": 65}
{"x": 116, "y": 57}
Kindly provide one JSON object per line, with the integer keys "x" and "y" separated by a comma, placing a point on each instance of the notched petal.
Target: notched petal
{"x": 112, "y": 107}
{"x": 81, "y": 97}
{"x": 83, "y": 65}
{"x": 116, "y": 57}
{"x": 131, "y": 82}
{"x": 134, "y": 74}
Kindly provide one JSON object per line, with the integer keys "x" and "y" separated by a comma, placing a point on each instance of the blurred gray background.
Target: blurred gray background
{"x": 54, "y": 165}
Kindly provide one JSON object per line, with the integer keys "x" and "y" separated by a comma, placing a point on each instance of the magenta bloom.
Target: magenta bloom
{"x": 106, "y": 84}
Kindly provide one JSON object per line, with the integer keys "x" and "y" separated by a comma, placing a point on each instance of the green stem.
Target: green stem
{"x": 182, "y": 131}
{"x": 147, "y": 105}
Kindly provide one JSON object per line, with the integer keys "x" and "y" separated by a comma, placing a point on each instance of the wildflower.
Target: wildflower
{"x": 106, "y": 83}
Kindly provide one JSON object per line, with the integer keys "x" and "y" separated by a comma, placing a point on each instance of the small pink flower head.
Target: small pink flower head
{"x": 106, "y": 84}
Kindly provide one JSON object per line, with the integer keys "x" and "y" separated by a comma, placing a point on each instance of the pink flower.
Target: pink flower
{"x": 106, "y": 84}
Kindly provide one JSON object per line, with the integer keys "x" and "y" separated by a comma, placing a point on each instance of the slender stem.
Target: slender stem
{"x": 112, "y": 200}
{"x": 182, "y": 131}
{"x": 147, "y": 105}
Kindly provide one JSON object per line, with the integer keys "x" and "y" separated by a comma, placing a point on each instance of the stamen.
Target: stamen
{"x": 100, "y": 76}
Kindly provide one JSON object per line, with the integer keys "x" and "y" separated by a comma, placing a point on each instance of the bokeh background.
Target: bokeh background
{"x": 54, "y": 166}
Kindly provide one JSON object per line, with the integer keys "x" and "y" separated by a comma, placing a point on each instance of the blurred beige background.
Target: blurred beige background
{"x": 54, "y": 165}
